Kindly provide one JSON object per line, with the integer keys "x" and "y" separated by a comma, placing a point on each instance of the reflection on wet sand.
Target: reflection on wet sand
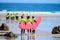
{"x": 10, "y": 39}
{"x": 31, "y": 37}
{"x": 28, "y": 37}
{"x": 22, "y": 38}
{"x": 7, "y": 38}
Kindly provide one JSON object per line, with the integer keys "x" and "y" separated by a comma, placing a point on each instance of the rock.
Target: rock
{"x": 0, "y": 19}
{"x": 56, "y": 30}
{"x": 4, "y": 27}
{"x": 10, "y": 35}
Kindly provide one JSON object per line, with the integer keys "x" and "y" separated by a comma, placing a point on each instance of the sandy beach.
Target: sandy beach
{"x": 43, "y": 31}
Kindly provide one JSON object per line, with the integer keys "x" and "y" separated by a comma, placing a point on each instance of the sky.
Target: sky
{"x": 30, "y": 1}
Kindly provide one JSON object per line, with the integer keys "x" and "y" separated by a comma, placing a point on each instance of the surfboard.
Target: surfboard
{"x": 28, "y": 26}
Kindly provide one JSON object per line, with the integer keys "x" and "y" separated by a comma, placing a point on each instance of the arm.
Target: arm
{"x": 35, "y": 21}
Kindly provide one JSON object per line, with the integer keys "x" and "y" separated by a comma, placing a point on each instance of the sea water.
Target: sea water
{"x": 29, "y": 7}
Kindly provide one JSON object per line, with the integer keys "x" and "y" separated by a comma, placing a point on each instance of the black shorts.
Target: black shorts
{"x": 16, "y": 17}
{"x": 33, "y": 31}
{"x": 7, "y": 18}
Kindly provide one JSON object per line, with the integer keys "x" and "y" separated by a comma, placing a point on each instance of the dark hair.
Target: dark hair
{"x": 33, "y": 17}
{"x": 7, "y": 13}
{"x": 28, "y": 17}
{"x": 22, "y": 17}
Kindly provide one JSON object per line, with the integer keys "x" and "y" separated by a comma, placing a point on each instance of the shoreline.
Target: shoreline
{"x": 43, "y": 14}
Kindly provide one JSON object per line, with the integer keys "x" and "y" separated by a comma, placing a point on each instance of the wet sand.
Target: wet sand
{"x": 33, "y": 37}
{"x": 39, "y": 35}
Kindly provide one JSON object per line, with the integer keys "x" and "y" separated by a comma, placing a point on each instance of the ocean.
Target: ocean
{"x": 29, "y": 7}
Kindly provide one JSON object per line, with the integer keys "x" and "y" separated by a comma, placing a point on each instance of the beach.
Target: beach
{"x": 43, "y": 31}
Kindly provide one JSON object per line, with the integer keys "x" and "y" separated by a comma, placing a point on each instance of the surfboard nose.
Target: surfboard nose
{"x": 35, "y": 24}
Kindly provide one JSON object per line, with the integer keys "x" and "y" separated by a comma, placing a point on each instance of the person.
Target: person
{"x": 22, "y": 20}
{"x": 16, "y": 15}
{"x": 12, "y": 16}
{"x": 7, "y": 16}
{"x": 28, "y": 21}
{"x": 33, "y": 20}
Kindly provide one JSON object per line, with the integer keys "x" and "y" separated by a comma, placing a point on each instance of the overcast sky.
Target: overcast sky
{"x": 30, "y": 1}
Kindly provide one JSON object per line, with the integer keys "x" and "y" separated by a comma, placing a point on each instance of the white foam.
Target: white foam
{"x": 26, "y": 12}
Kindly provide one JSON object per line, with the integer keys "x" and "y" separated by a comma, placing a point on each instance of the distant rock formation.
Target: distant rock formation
{"x": 4, "y": 27}
{"x": 56, "y": 30}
